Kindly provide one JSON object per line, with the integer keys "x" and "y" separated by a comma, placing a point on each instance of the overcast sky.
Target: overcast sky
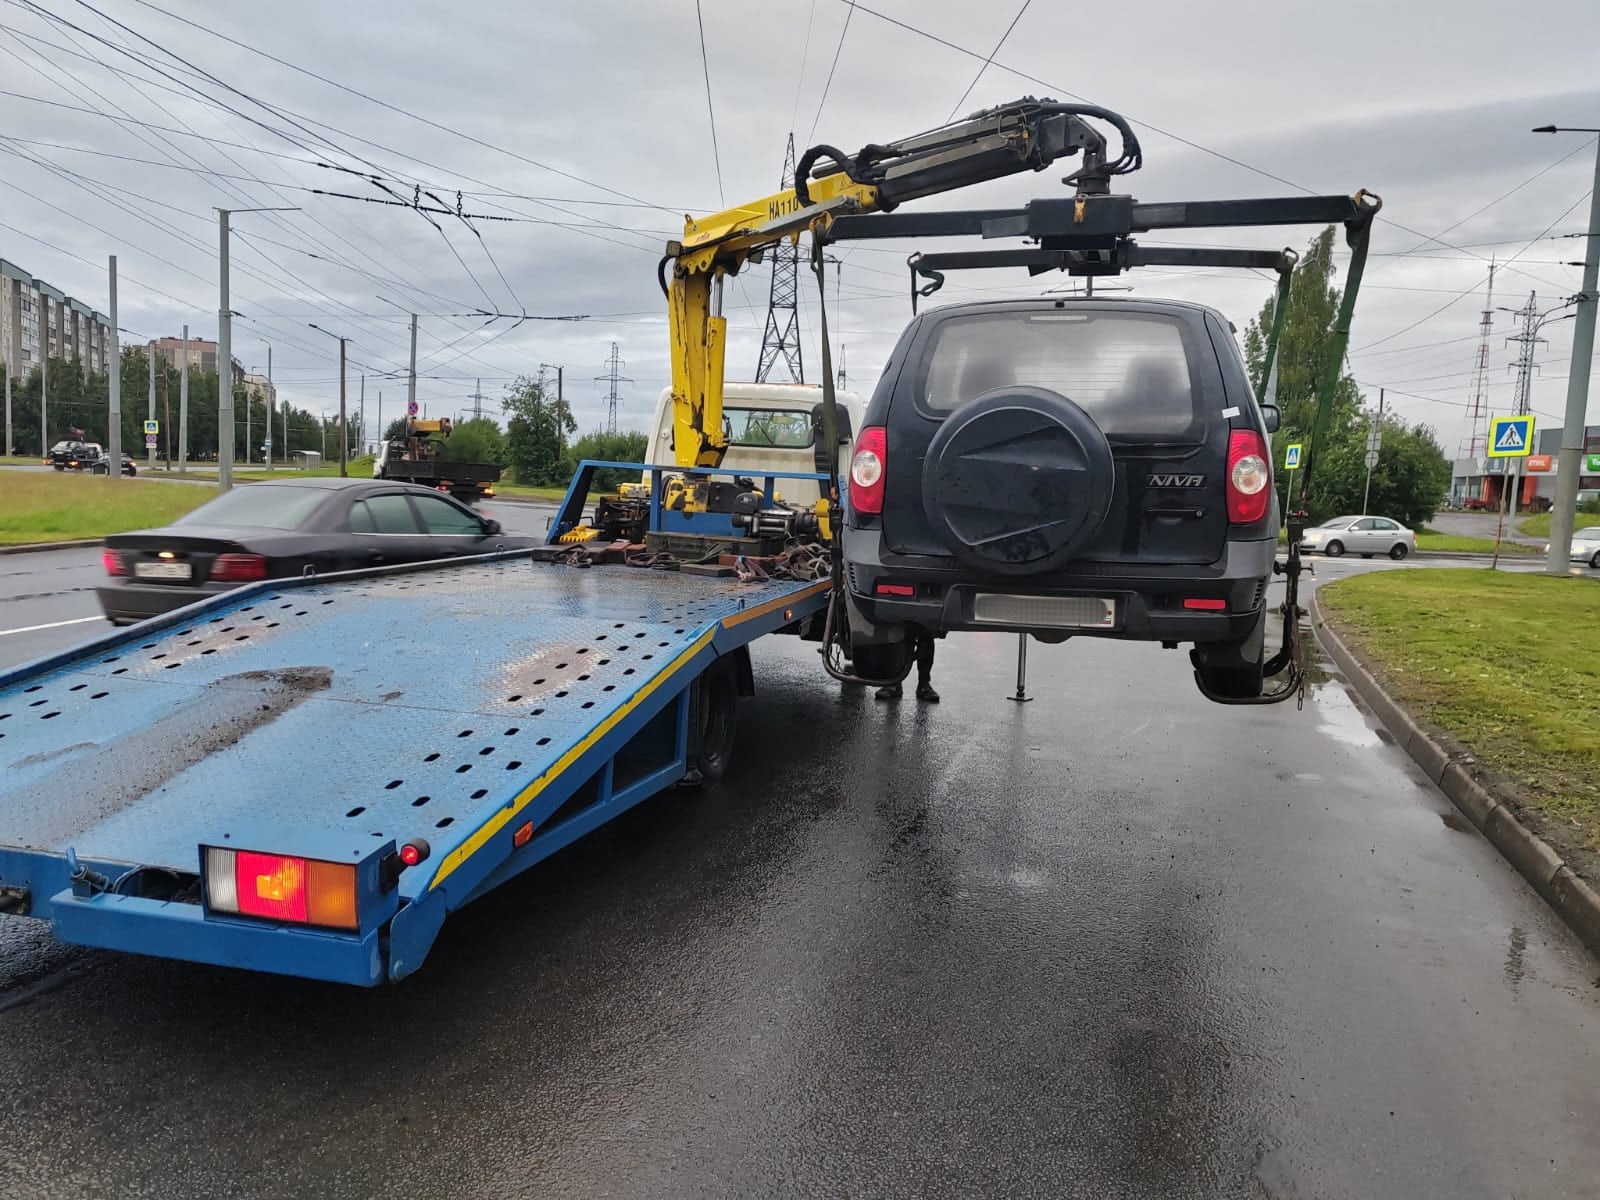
{"x": 589, "y": 123}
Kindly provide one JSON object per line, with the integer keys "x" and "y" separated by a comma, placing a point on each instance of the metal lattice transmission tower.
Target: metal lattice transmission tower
{"x": 612, "y": 377}
{"x": 1529, "y": 340}
{"x": 781, "y": 338}
{"x": 1478, "y": 412}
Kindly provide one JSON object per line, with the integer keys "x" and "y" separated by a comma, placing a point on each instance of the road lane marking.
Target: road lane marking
{"x": 51, "y": 625}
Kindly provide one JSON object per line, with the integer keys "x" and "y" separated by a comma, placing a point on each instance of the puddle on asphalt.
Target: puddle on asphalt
{"x": 1341, "y": 719}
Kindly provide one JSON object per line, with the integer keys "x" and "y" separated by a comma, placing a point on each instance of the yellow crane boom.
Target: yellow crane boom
{"x": 1027, "y": 135}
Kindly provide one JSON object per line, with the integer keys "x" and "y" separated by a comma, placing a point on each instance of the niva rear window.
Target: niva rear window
{"x": 1130, "y": 371}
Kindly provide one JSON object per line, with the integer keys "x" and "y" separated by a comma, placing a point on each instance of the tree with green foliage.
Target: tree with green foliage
{"x": 535, "y": 434}
{"x": 478, "y": 441}
{"x": 627, "y": 446}
{"x": 1413, "y": 474}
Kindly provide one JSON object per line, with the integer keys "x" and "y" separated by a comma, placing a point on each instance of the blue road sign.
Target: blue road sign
{"x": 1291, "y": 456}
{"x": 1510, "y": 437}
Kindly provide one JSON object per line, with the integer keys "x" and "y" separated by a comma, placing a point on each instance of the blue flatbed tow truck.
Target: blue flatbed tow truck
{"x": 307, "y": 776}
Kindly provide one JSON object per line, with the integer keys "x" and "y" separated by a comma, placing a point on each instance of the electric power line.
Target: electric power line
{"x": 984, "y": 66}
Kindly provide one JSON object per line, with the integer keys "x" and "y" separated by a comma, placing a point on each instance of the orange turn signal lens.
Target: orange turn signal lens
{"x": 331, "y": 894}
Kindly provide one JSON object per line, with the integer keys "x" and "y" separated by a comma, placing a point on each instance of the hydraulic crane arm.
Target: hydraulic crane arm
{"x": 1027, "y": 135}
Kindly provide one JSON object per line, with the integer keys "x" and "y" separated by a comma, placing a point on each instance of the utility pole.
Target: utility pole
{"x": 361, "y": 415}
{"x": 477, "y": 400}
{"x": 1582, "y": 363}
{"x": 224, "y": 363}
{"x": 344, "y": 426}
{"x": 781, "y": 338}
{"x": 271, "y": 396}
{"x": 44, "y": 395}
{"x": 225, "y": 354}
{"x": 151, "y": 448}
{"x": 561, "y": 413}
{"x": 183, "y": 407}
{"x": 114, "y": 382}
{"x": 1374, "y": 445}
{"x": 411, "y": 378}
{"x": 613, "y": 376}
{"x": 11, "y": 368}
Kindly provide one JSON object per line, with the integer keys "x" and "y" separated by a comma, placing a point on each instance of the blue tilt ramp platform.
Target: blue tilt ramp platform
{"x": 497, "y": 709}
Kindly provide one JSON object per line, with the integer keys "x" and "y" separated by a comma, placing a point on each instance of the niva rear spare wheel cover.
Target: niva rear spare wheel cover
{"x": 1017, "y": 481}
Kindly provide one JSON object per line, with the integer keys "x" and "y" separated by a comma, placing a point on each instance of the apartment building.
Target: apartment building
{"x": 38, "y": 320}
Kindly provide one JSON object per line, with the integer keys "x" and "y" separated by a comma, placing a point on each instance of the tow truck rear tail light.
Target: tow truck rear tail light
{"x": 894, "y": 589}
{"x": 281, "y": 887}
{"x": 1204, "y": 604}
{"x": 867, "y": 470}
{"x": 238, "y": 568}
{"x": 112, "y": 562}
{"x": 1249, "y": 477}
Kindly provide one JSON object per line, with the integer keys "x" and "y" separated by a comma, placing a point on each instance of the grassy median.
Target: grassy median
{"x": 1538, "y": 525}
{"x": 60, "y": 508}
{"x": 1508, "y": 665}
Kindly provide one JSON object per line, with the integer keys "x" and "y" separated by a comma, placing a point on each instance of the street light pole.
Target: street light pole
{"x": 1562, "y": 517}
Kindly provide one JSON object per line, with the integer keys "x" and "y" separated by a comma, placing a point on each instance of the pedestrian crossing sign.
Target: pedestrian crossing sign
{"x": 1291, "y": 457}
{"x": 1510, "y": 437}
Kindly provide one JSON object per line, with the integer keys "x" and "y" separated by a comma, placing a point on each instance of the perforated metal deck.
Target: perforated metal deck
{"x": 397, "y": 706}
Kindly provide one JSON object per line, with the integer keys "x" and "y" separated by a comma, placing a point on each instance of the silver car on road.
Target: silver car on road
{"x": 1365, "y": 536}
{"x": 1585, "y": 546}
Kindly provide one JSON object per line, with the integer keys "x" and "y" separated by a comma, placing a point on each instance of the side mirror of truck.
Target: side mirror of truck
{"x": 1271, "y": 417}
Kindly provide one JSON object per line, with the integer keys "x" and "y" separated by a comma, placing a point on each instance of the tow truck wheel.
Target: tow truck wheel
{"x": 714, "y": 720}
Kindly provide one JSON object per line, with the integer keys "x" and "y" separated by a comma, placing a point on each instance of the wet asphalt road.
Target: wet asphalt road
{"x": 1116, "y": 942}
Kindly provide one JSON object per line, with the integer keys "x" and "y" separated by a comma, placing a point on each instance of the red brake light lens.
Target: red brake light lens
{"x": 271, "y": 885}
{"x": 1249, "y": 477}
{"x": 238, "y": 568}
{"x": 867, "y": 470}
{"x": 112, "y": 562}
{"x": 894, "y": 589}
{"x": 1203, "y": 604}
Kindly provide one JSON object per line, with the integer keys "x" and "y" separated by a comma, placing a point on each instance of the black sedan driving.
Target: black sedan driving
{"x": 277, "y": 530}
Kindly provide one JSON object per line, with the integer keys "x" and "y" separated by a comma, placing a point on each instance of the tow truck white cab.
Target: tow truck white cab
{"x": 769, "y": 428}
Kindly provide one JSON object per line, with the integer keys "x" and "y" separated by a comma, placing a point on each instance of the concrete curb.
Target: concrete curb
{"x": 33, "y": 547}
{"x": 1484, "y": 803}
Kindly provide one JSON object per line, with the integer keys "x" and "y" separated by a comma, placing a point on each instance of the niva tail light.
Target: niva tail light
{"x": 1249, "y": 477}
{"x": 868, "y": 468}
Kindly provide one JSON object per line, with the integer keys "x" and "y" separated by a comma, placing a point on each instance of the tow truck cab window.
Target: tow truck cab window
{"x": 1133, "y": 372}
{"x": 441, "y": 516}
{"x": 383, "y": 514}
